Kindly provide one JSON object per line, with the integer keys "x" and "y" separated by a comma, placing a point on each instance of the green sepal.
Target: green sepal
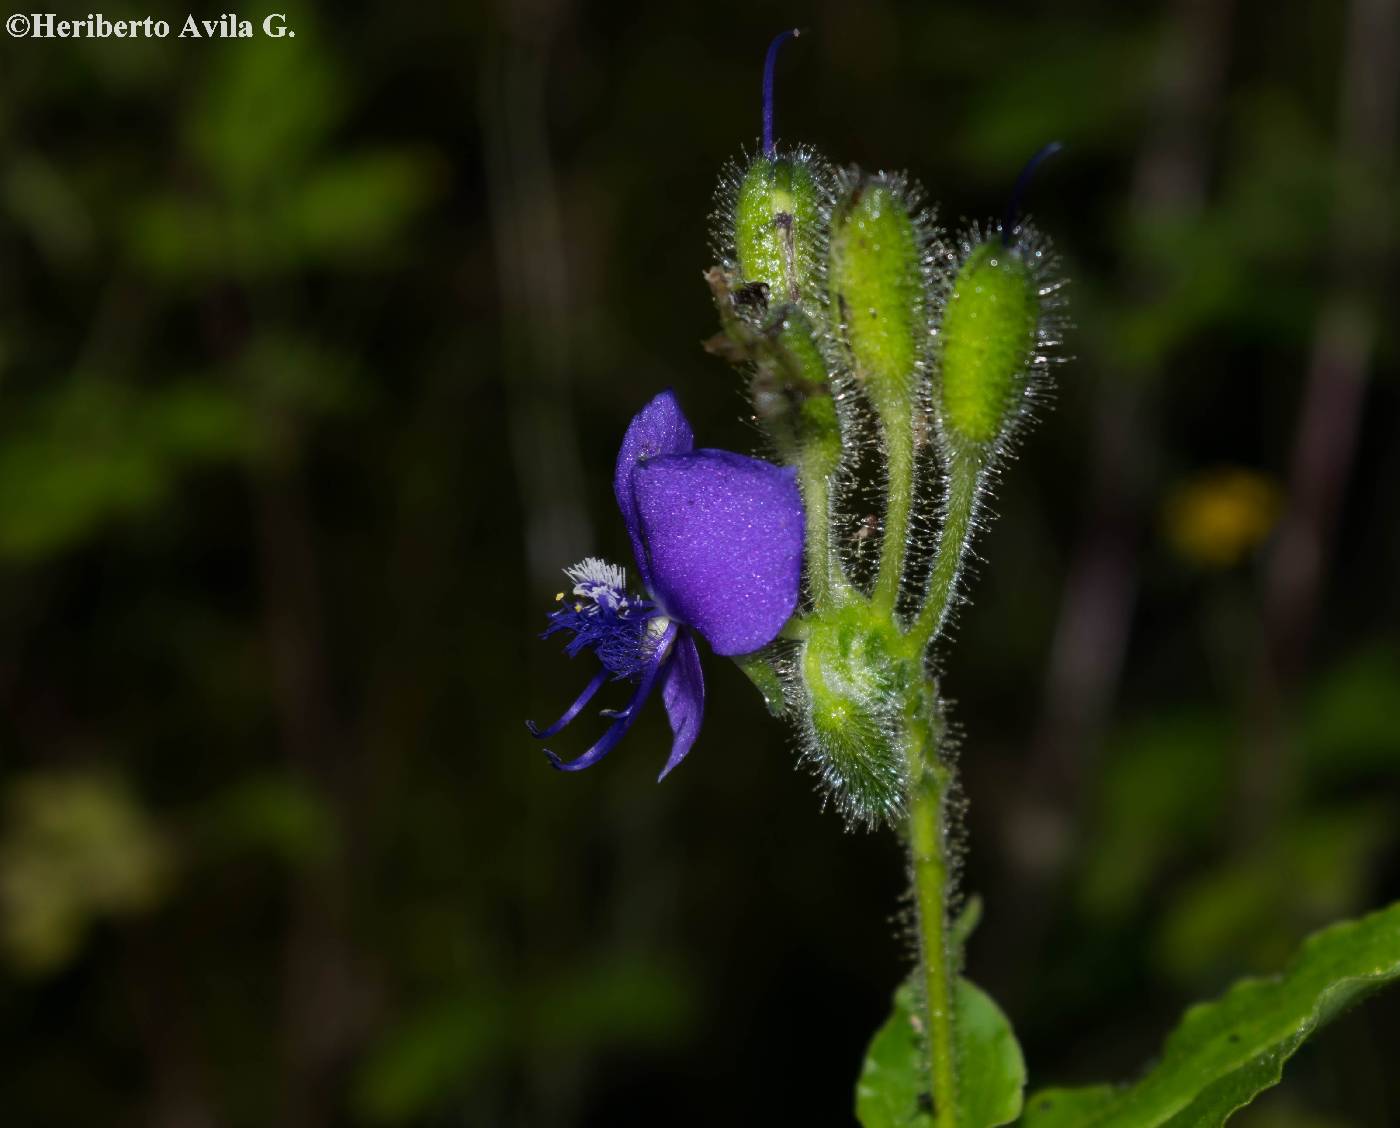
{"x": 1224, "y": 1053}
{"x": 893, "y": 1090}
{"x": 760, "y": 669}
{"x": 986, "y": 340}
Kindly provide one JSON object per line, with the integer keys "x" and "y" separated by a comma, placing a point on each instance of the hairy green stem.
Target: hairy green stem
{"x": 930, "y": 780}
{"x": 816, "y": 494}
{"x": 960, "y": 505}
{"x": 928, "y": 858}
{"x": 899, "y": 444}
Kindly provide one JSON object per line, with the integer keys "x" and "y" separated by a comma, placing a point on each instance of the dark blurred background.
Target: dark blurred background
{"x": 314, "y": 357}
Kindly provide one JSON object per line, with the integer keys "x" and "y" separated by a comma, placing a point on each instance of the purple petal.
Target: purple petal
{"x": 618, "y": 729}
{"x": 658, "y": 429}
{"x": 683, "y": 691}
{"x": 573, "y": 710}
{"x": 723, "y": 537}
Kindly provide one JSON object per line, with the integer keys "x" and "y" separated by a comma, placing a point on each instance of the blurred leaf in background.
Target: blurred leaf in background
{"x": 76, "y": 848}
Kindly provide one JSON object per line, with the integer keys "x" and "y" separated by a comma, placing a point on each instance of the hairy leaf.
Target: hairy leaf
{"x": 1227, "y": 1052}
{"x": 893, "y": 1090}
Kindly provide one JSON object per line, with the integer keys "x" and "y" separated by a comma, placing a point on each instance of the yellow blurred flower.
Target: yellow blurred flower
{"x": 1218, "y": 516}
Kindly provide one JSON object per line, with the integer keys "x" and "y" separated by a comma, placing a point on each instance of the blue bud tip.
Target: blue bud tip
{"x": 770, "y": 62}
{"x": 1011, "y": 219}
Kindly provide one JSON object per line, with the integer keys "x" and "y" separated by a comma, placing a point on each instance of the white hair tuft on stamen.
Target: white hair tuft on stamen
{"x": 592, "y": 573}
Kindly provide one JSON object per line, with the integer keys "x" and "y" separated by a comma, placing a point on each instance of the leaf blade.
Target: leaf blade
{"x": 893, "y": 1088}
{"x": 1226, "y": 1052}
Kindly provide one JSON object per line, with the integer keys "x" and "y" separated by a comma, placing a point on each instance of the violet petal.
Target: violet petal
{"x": 683, "y": 692}
{"x": 723, "y": 537}
{"x": 660, "y": 428}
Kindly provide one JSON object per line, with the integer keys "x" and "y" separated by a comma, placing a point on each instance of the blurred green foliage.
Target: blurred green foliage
{"x": 314, "y": 355}
{"x": 76, "y": 849}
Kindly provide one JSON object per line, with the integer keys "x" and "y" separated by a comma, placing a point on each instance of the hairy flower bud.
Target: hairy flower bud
{"x": 1001, "y": 320}
{"x": 988, "y": 335}
{"x": 878, "y": 292}
{"x": 777, "y": 226}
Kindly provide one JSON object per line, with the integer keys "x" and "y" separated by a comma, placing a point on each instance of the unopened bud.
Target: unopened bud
{"x": 778, "y": 214}
{"x": 772, "y": 215}
{"x": 999, "y": 323}
{"x": 988, "y": 336}
{"x": 877, "y": 289}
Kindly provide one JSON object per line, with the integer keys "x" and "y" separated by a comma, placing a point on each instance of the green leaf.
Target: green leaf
{"x": 1227, "y": 1052}
{"x": 1348, "y": 723}
{"x": 358, "y": 204}
{"x": 425, "y": 1063}
{"x": 1160, "y": 796}
{"x": 264, "y": 112}
{"x": 97, "y": 449}
{"x": 893, "y": 1088}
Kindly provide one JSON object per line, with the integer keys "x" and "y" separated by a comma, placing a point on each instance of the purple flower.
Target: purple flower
{"x": 718, "y": 542}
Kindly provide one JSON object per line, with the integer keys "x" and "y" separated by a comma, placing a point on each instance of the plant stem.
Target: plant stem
{"x": 928, "y": 857}
{"x": 899, "y": 443}
{"x": 960, "y": 507}
{"x": 929, "y": 784}
{"x": 816, "y": 496}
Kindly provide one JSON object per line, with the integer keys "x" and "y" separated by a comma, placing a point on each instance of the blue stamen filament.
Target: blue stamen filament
{"x": 631, "y": 637}
{"x": 573, "y": 710}
{"x": 618, "y": 729}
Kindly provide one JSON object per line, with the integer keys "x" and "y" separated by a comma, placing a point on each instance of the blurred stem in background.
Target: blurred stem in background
{"x": 320, "y": 983}
{"x": 532, "y": 261}
{"x": 533, "y": 269}
{"x": 1096, "y": 607}
{"x": 1330, "y": 413}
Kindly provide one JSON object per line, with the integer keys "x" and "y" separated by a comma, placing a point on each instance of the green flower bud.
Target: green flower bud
{"x": 1000, "y": 323}
{"x": 851, "y": 732}
{"x": 987, "y": 338}
{"x": 878, "y": 290}
{"x": 778, "y": 216}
